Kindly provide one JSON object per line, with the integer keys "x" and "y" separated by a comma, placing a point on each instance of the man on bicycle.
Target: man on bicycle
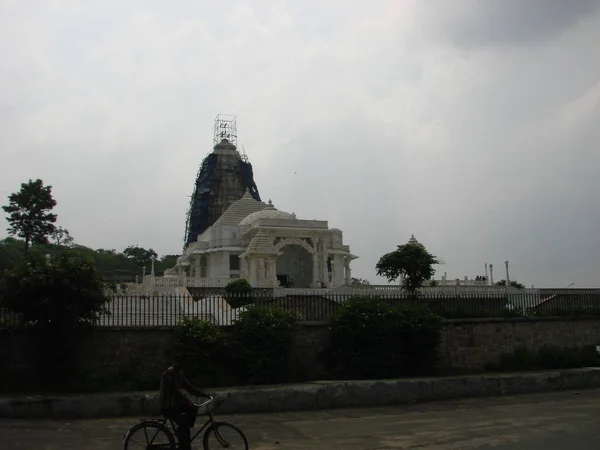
{"x": 176, "y": 406}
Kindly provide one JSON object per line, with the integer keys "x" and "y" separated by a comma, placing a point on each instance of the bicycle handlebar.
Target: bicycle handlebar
{"x": 207, "y": 402}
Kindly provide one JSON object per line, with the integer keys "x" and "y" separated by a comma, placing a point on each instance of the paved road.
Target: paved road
{"x": 557, "y": 421}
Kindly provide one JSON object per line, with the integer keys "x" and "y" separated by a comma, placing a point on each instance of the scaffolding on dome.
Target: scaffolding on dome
{"x": 225, "y": 128}
{"x": 219, "y": 172}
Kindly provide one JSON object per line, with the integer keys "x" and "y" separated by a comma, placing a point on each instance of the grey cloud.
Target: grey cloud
{"x": 473, "y": 23}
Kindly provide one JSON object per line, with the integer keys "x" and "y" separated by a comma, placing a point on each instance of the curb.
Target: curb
{"x": 310, "y": 396}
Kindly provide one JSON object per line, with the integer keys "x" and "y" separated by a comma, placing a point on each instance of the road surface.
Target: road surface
{"x": 556, "y": 421}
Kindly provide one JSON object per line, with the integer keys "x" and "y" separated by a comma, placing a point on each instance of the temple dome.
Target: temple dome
{"x": 270, "y": 212}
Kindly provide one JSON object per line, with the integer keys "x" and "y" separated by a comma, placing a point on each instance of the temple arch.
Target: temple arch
{"x": 294, "y": 241}
{"x": 294, "y": 264}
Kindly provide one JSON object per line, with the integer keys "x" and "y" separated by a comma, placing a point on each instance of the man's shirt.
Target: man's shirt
{"x": 171, "y": 395}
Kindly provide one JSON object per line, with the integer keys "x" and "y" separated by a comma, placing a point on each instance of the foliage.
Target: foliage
{"x": 166, "y": 262}
{"x": 57, "y": 299}
{"x": 547, "y": 357}
{"x": 61, "y": 237}
{"x": 64, "y": 293}
{"x": 359, "y": 282}
{"x": 201, "y": 351}
{"x": 238, "y": 293}
{"x": 11, "y": 252}
{"x": 29, "y": 213}
{"x": 513, "y": 283}
{"x": 140, "y": 256}
{"x": 263, "y": 343}
{"x": 371, "y": 339}
{"x": 412, "y": 262}
{"x": 255, "y": 350}
{"x": 111, "y": 264}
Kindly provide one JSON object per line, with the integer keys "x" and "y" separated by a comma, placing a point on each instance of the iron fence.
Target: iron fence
{"x": 224, "y": 310}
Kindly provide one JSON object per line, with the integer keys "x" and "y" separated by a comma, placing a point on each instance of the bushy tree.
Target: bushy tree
{"x": 359, "y": 282}
{"x": 238, "y": 293}
{"x": 201, "y": 350}
{"x": 29, "y": 213}
{"x": 61, "y": 237}
{"x": 61, "y": 293}
{"x": 410, "y": 261}
{"x": 165, "y": 262}
{"x": 371, "y": 339}
{"x": 264, "y": 339}
{"x": 58, "y": 298}
{"x": 11, "y": 251}
{"x": 139, "y": 256}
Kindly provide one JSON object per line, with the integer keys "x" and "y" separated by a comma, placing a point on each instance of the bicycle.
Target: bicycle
{"x": 154, "y": 427}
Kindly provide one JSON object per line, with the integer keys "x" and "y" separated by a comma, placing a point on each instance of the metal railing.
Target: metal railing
{"x": 320, "y": 305}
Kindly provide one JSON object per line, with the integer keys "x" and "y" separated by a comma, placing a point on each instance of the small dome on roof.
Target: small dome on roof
{"x": 270, "y": 212}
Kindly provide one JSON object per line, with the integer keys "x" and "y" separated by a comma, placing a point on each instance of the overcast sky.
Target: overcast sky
{"x": 474, "y": 125}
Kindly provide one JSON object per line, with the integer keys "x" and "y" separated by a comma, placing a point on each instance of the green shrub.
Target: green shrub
{"x": 201, "y": 351}
{"x": 370, "y": 339}
{"x": 421, "y": 336}
{"x": 238, "y": 293}
{"x": 263, "y": 343}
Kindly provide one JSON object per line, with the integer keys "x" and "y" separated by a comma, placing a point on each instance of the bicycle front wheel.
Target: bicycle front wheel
{"x": 149, "y": 435}
{"x": 224, "y": 435}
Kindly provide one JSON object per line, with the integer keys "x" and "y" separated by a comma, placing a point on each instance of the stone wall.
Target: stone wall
{"x": 105, "y": 354}
{"x": 120, "y": 353}
{"x": 473, "y": 343}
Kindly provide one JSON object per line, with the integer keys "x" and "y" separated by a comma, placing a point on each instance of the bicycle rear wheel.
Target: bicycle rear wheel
{"x": 224, "y": 435}
{"x": 149, "y": 436}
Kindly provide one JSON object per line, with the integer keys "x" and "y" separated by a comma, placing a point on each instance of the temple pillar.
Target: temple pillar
{"x": 243, "y": 267}
{"x": 315, "y": 263}
{"x": 271, "y": 272}
{"x": 315, "y": 271}
{"x": 250, "y": 272}
{"x": 324, "y": 271}
{"x": 333, "y": 272}
{"x": 197, "y": 267}
{"x": 260, "y": 273}
{"x": 337, "y": 266}
{"x": 347, "y": 271}
{"x": 274, "y": 272}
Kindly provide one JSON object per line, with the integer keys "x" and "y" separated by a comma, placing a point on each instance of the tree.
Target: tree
{"x": 63, "y": 293}
{"x": 61, "y": 237}
{"x": 238, "y": 293}
{"x": 11, "y": 251}
{"x": 410, "y": 261}
{"x": 513, "y": 283}
{"x": 29, "y": 213}
{"x": 165, "y": 262}
{"x": 359, "y": 282}
{"x": 102, "y": 251}
{"x": 58, "y": 299}
{"x": 140, "y": 256}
